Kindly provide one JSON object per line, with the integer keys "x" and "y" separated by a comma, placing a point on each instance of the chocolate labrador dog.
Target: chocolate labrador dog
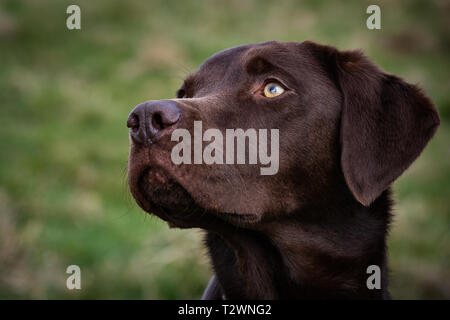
{"x": 315, "y": 227}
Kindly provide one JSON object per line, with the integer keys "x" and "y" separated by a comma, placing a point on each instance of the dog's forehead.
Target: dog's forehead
{"x": 223, "y": 59}
{"x": 239, "y": 56}
{"x": 228, "y": 65}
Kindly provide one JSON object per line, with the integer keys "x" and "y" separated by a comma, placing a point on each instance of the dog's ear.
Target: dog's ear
{"x": 385, "y": 122}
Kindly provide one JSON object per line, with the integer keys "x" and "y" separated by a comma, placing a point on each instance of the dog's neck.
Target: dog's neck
{"x": 315, "y": 254}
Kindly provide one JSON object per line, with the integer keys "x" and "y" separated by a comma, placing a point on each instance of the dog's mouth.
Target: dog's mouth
{"x": 161, "y": 194}
{"x": 164, "y": 192}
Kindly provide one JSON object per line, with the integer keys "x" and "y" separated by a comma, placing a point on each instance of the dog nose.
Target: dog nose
{"x": 149, "y": 121}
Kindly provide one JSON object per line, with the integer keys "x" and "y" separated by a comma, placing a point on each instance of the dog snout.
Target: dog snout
{"x": 150, "y": 121}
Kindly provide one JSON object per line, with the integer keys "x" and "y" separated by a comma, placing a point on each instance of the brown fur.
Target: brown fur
{"x": 347, "y": 131}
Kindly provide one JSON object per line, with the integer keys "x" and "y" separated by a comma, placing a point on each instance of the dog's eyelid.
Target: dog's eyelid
{"x": 276, "y": 80}
{"x": 180, "y": 93}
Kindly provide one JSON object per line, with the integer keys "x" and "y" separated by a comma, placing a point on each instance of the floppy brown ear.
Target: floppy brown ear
{"x": 385, "y": 122}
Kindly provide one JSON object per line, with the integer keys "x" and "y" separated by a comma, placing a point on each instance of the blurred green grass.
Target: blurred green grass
{"x": 65, "y": 96}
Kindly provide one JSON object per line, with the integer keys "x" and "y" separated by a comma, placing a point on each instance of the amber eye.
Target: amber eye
{"x": 272, "y": 90}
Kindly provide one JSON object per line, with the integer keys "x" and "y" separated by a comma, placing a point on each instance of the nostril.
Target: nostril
{"x": 135, "y": 128}
{"x": 157, "y": 122}
{"x": 133, "y": 122}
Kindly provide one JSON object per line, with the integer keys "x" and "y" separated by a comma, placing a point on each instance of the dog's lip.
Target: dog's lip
{"x": 159, "y": 174}
{"x": 153, "y": 174}
{"x": 164, "y": 177}
{"x": 241, "y": 218}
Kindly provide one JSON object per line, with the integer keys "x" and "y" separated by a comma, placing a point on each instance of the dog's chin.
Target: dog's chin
{"x": 158, "y": 193}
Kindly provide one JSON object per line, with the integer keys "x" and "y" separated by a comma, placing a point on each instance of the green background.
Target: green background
{"x": 64, "y": 99}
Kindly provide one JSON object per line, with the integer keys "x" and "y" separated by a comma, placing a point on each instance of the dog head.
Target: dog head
{"x": 342, "y": 123}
